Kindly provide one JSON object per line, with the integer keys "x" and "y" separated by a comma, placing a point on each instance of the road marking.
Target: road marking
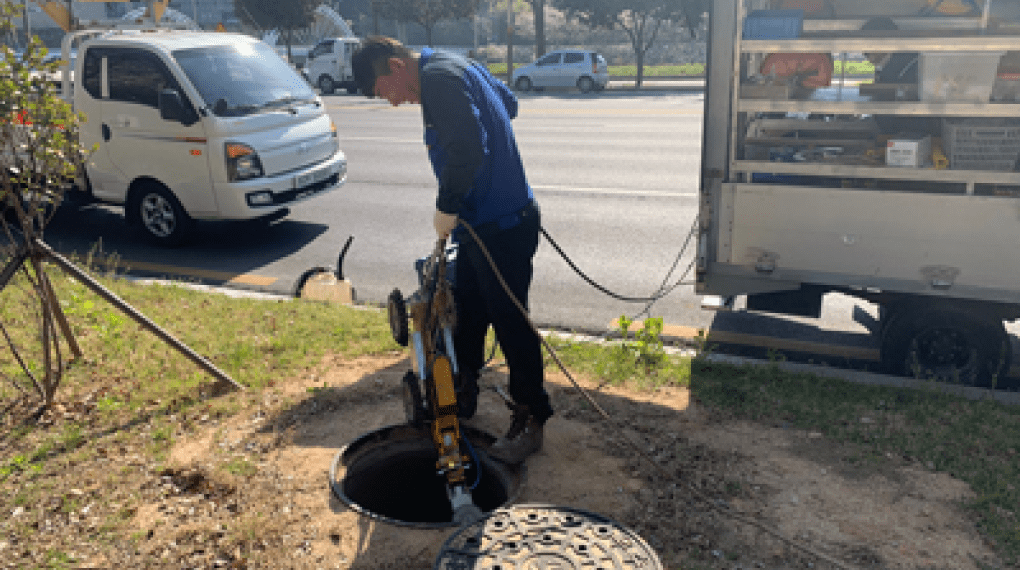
{"x": 224, "y": 276}
{"x": 569, "y": 111}
{"x": 384, "y": 139}
{"x": 611, "y": 191}
{"x": 526, "y": 112}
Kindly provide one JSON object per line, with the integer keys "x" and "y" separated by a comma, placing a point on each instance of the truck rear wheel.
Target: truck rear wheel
{"x": 946, "y": 344}
{"x": 161, "y": 215}
{"x": 326, "y": 85}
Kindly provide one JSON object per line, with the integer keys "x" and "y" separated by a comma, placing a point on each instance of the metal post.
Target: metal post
{"x": 130, "y": 311}
{"x": 194, "y": 9}
{"x": 28, "y": 24}
{"x": 509, "y": 41}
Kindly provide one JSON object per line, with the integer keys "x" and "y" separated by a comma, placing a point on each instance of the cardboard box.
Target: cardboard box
{"x": 909, "y": 152}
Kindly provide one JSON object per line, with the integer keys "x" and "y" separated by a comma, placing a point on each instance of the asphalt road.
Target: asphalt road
{"x": 616, "y": 175}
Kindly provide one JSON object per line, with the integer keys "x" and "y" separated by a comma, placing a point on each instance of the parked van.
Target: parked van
{"x": 198, "y": 126}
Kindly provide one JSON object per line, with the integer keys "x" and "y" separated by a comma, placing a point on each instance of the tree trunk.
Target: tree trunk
{"x": 538, "y": 11}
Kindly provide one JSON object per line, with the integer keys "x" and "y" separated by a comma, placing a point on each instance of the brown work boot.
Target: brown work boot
{"x": 523, "y": 438}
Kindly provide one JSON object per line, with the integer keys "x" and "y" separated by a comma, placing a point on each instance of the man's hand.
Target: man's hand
{"x": 444, "y": 223}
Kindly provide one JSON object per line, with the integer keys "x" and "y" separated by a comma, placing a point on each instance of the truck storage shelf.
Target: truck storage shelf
{"x": 860, "y": 45}
{"x": 883, "y": 172}
{"x": 916, "y": 108}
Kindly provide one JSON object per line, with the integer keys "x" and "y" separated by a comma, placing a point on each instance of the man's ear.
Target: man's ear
{"x": 395, "y": 64}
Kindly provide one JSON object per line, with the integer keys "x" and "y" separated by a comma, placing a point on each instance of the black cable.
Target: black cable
{"x": 650, "y": 299}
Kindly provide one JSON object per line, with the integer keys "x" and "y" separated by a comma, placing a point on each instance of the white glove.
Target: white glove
{"x": 444, "y": 223}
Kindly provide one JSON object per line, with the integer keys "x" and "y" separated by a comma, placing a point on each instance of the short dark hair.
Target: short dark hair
{"x": 370, "y": 61}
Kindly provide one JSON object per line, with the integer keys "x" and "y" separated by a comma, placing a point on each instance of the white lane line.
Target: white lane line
{"x": 611, "y": 191}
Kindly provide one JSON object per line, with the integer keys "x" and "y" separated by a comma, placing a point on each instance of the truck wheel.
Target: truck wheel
{"x": 585, "y": 84}
{"x": 326, "y": 85}
{"x": 161, "y": 215}
{"x": 946, "y": 344}
{"x": 353, "y": 90}
{"x": 523, "y": 84}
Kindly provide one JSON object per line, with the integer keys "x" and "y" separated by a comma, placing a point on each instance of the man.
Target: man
{"x": 471, "y": 146}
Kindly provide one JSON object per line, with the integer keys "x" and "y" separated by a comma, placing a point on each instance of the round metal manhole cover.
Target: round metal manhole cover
{"x": 544, "y": 537}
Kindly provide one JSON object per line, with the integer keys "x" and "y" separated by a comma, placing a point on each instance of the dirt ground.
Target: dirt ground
{"x": 251, "y": 490}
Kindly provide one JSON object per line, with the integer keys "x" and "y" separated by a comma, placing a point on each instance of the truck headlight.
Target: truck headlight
{"x": 242, "y": 162}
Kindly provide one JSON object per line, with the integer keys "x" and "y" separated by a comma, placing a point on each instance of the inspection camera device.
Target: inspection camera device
{"x": 432, "y": 313}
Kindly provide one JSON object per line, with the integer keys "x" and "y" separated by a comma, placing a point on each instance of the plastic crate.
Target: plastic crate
{"x": 962, "y": 77}
{"x": 981, "y": 144}
{"x": 773, "y": 24}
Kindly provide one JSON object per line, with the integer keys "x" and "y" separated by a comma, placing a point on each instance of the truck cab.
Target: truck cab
{"x": 328, "y": 66}
{"x": 191, "y": 125}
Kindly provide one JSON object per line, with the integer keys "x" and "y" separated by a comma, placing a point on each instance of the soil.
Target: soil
{"x": 250, "y": 489}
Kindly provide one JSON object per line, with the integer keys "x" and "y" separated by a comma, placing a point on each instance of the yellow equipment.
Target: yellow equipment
{"x": 431, "y": 310}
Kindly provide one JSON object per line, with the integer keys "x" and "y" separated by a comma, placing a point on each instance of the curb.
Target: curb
{"x": 872, "y": 379}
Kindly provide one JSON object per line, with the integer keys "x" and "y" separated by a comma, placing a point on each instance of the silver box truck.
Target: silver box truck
{"x": 901, "y": 190}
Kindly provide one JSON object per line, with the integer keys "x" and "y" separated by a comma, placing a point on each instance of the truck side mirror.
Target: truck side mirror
{"x": 171, "y": 108}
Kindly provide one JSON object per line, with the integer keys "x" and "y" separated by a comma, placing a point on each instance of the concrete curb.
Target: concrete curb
{"x": 872, "y": 379}
{"x": 856, "y": 376}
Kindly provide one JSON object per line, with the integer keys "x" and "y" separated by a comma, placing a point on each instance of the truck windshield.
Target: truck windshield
{"x": 241, "y": 79}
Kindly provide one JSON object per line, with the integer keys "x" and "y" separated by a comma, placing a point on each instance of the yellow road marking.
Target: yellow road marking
{"x": 225, "y": 276}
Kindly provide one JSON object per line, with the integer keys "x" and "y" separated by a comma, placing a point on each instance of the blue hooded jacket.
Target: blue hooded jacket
{"x": 470, "y": 140}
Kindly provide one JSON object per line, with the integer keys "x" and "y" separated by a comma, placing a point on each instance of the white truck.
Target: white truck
{"x": 195, "y": 125}
{"x": 328, "y": 65}
{"x": 806, "y": 191}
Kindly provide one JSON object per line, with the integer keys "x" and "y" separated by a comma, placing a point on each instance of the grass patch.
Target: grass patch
{"x": 142, "y": 395}
{"x": 977, "y": 442}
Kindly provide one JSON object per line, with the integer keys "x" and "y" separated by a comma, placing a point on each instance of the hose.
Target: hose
{"x": 477, "y": 464}
{"x": 659, "y": 293}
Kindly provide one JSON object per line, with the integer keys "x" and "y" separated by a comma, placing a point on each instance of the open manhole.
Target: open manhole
{"x": 530, "y": 537}
{"x": 390, "y": 475}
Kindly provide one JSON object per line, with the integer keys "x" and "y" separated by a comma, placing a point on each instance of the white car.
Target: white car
{"x": 586, "y": 70}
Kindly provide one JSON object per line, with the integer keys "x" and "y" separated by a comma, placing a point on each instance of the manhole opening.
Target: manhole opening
{"x": 391, "y": 475}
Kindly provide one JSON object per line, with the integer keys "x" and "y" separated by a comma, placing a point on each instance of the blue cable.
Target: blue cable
{"x": 478, "y": 465}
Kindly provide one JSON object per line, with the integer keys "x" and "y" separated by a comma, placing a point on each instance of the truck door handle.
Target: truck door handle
{"x": 106, "y": 132}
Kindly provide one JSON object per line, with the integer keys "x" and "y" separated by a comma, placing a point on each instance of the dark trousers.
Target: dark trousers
{"x": 482, "y": 301}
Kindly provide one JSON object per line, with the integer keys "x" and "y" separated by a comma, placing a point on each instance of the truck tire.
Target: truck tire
{"x": 586, "y": 84}
{"x": 326, "y": 85}
{"x": 946, "y": 344}
{"x": 160, "y": 215}
{"x": 352, "y": 90}
{"x": 523, "y": 84}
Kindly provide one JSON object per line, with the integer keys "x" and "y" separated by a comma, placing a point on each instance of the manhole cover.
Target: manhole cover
{"x": 544, "y": 537}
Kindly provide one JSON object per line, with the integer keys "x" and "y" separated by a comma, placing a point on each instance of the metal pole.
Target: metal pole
{"x": 130, "y": 311}
{"x": 28, "y": 24}
{"x": 194, "y": 9}
{"x": 509, "y": 41}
